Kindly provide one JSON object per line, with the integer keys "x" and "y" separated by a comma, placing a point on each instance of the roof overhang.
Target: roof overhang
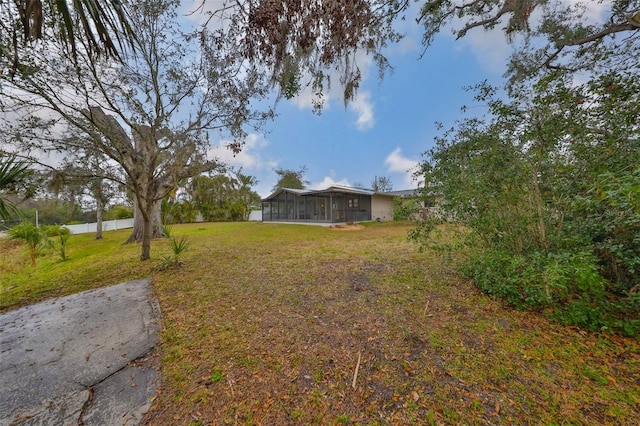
{"x": 335, "y": 189}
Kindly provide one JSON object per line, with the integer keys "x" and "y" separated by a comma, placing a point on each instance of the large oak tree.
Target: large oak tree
{"x": 151, "y": 114}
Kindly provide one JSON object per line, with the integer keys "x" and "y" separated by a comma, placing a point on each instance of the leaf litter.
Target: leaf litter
{"x": 301, "y": 325}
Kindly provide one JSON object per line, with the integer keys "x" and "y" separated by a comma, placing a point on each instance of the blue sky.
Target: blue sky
{"x": 388, "y": 126}
{"x": 385, "y": 130}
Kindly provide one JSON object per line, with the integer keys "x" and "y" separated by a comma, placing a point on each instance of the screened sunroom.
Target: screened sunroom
{"x": 332, "y": 205}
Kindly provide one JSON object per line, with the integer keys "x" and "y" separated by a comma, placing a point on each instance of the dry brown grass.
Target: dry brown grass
{"x": 265, "y": 324}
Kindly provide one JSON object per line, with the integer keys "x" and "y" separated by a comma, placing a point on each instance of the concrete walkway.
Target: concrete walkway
{"x": 84, "y": 359}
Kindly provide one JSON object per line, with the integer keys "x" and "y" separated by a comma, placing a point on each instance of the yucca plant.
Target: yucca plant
{"x": 178, "y": 246}
{"x": 167, "y": 229}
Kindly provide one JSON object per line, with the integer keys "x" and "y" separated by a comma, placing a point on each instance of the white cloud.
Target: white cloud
{"x": 327, "y": 182}
{"x": 363, "y": 106}
{"x": 249, "y": 158}
{"x": 490, "y": 47}
{"x": 397, "y": 163}
{"x": 594, "y": 12}
{"x": 306, "y": 97}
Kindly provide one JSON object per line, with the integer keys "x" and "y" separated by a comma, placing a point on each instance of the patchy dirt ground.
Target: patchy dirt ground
{"x": 347, "y": 227}
{"x": 292, "y": 325}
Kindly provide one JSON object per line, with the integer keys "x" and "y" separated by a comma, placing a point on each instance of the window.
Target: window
{"x": 353, "y": 203}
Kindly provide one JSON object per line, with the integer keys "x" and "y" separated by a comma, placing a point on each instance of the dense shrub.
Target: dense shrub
{"x": 547, "y": 188}
{"x": 119, "y": 212}
{"x": 31, "y": 235}
{"x": 54, "y": 230}
{"x": 567, "y": 286}
{"x": 405, "y": 209}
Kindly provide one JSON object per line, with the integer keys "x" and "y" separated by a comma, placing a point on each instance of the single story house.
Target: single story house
{"x": 336, "y": 204}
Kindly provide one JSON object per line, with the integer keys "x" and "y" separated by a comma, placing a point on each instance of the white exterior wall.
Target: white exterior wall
{"x": 381, "y": 207}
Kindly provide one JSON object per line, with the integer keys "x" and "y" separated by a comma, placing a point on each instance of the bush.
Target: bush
{"x": 54, "y": 230}
{"x": 609, "y": 218}
{"x": 30, "y": 234}
{"x": 119, "y": 212}
{"x": 568, "y": 286}
{"x": 404, "y": 209}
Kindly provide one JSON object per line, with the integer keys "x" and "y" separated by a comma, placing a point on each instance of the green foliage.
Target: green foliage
{"x": 178, "y": 247}
{"x": 568, "y": 286}
{"x": 547, "y": 195}
{"x": 12, "y": 173}
{"x": 31, "y": 235}
{"x": 167, "y": 229}
{"x": 293, "y": 179}
{"x": 608, "y": 215}
{"x": 56, "y": 239}
{"x": 405, "y": 209}
{"x": 119, "y": 212}
{"x": 342, "y": 419}
{"x": 54, "y": 230}
{"x": 61, "y": 247}
{"x": 51, "y": 212}
{"x": 50, "y": 237}
{"x": 218, "y": 197}
{"x": 217, "y": 375}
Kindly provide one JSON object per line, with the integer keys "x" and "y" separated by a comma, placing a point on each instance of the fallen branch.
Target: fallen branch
{"x": 355, "y": 373}
{"x": 231, "y": 387}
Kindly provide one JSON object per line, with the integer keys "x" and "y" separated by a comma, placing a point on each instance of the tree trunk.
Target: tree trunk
{"x": 99, "y": 212}
{"x": 542, "y": 226}
{"x": 155, "y": 228}
{"x": 146, "y": 239}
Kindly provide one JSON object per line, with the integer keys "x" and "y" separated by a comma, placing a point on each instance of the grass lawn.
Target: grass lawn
{"x": 286, "y": 324}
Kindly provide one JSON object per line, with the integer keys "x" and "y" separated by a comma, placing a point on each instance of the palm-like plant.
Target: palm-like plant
{"x": 30, "y": 234}
{"x": 12, "y": 172}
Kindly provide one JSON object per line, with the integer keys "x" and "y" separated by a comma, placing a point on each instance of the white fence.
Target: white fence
{"x": 107, "y": 225}
{"x": 255, "y": 215}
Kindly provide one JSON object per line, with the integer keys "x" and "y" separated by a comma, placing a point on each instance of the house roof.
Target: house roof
{"x": 405, "y": 193}
{"x": 338, "y": 188}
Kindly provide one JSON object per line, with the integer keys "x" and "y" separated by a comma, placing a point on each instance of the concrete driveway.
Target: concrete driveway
{"x": 84, "y": 359}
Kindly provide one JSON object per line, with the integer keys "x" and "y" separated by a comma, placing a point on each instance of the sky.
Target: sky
{"x": 385, "y": 130}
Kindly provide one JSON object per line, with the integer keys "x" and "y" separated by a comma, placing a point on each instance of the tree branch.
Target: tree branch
{"x": 613, "y": 29}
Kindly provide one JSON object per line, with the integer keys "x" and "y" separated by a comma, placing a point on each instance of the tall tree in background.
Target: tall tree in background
{"x": 151, "y": 114}
{"x": 381, "y": 184}
{"x": 223, "y": 196}
{"x": 293, "y": 179}
{"x": 88, "y": 176}
{"x": 246, "y": 195}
